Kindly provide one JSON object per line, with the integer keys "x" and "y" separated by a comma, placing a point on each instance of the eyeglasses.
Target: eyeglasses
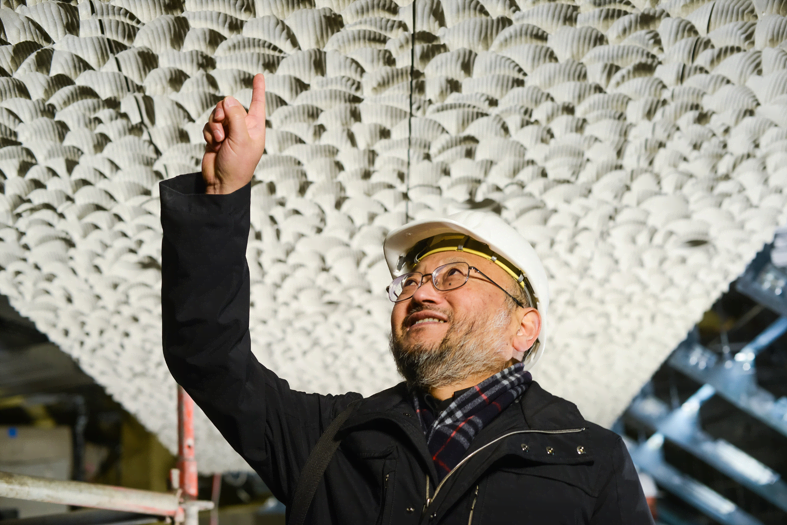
{"x": 444, "y": 278}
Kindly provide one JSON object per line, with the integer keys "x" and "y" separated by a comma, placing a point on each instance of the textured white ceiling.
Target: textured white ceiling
{"x": 641, "y": 147}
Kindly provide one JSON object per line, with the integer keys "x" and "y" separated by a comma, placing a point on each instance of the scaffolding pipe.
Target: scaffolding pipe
{"x": 88, "y": 517}
{"x": 187, "y": 464}
{"x": 182, "y": 505}
{"x": 82, "y": 494}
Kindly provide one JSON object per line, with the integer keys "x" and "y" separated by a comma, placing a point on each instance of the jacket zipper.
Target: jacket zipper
{"x": 472, "y": 507}
{"x": 467, "y": 458}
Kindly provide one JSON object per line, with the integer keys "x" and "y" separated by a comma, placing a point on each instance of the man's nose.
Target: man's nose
{"x": 427, "y": 293}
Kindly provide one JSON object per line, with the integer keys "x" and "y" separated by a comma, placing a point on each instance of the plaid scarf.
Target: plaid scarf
{"x": 448, "y": 434}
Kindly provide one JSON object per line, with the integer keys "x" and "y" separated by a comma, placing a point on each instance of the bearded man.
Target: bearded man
{"x": 467, "y": 438}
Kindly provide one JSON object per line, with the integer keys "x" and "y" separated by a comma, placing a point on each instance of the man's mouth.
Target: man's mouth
{"x": 425, "y": 317}
{"x": 427, "y": 320}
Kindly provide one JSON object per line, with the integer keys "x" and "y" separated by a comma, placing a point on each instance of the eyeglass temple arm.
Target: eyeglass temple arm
{"x": 517, "y": 301}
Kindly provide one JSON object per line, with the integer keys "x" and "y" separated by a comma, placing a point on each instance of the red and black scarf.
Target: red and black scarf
{"x": 449, "y": 433}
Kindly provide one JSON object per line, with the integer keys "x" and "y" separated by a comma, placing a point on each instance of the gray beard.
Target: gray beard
{"x": 469, "y": 348}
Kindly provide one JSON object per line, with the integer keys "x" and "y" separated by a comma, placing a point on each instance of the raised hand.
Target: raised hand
{"x": 235, "y": 141}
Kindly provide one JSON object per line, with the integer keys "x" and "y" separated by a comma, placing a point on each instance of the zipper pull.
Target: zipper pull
{"x": 428, "y": 498}
{"x": 472, "y": 507}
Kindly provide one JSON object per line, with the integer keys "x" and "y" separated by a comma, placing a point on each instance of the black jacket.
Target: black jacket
{"x": 539, "y": 462}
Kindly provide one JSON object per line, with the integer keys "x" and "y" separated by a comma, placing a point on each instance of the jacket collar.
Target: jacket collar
{"x": 538, "y": 409}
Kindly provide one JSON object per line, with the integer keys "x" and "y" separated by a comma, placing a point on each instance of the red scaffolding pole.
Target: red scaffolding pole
{"x": 187, "y": 464}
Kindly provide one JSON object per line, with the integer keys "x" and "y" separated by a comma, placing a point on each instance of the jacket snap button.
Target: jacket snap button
{"x": 580, "y": 449}
{"x": 409, "y": 509}
{"x": 433, "y": 516}
{"x": 407, "y": 414}
{"x": 525, "y": 447}
{"x": 550, "y": 450}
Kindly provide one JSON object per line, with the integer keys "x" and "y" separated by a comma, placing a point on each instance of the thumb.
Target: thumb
{"x": 236, "y": 118}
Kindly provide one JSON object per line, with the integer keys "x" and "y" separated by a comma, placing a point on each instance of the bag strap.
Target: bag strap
{"x": 315, "y": 466}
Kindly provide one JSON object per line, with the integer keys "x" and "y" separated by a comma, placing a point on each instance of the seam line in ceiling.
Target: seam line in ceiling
{"x": 410, "y": 122}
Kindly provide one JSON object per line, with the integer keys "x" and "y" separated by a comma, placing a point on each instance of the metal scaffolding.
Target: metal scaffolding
{"x": 180, "y": 506}
{"x": 734, "y": 380}
{"x": 731, "y": 376}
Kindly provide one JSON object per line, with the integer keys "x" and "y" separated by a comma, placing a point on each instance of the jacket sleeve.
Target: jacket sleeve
{"x": 205, "y": 316}
{"x": 622, "y": 501}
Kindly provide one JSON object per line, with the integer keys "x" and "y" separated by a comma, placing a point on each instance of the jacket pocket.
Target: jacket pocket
{"x": 581, "y": 476}
{"x": 554, "y": 494}
{"x": 368, "y": 470}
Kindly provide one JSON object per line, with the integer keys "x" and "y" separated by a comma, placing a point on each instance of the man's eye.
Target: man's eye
{"x": 409, "y": 282}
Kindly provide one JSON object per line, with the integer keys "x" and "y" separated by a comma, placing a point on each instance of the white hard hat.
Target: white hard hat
{"x": 489, "y": 229}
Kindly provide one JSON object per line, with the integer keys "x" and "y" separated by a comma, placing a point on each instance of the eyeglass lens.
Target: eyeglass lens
{"x": 446, "y": 277}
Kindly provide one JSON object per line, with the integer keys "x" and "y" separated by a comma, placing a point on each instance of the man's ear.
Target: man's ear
{"x": 526, "y": 335}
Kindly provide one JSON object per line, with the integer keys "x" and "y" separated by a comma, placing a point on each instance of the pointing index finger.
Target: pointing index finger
{"x": 257, "y": 106}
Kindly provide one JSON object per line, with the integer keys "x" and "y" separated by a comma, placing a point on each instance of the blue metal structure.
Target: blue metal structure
{"x": 732, "y": 377}
{"x": 735, "y": 379}
{"x": 649, "y": 458}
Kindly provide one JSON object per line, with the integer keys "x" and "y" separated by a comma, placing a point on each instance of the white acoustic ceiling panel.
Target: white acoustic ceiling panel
{"x": 640, "y": 146}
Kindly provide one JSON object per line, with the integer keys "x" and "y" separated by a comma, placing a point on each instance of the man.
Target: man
{"x": 468, "y": 438}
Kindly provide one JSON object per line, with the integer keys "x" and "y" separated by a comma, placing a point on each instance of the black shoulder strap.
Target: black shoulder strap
{"x": 315, "y": 467}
